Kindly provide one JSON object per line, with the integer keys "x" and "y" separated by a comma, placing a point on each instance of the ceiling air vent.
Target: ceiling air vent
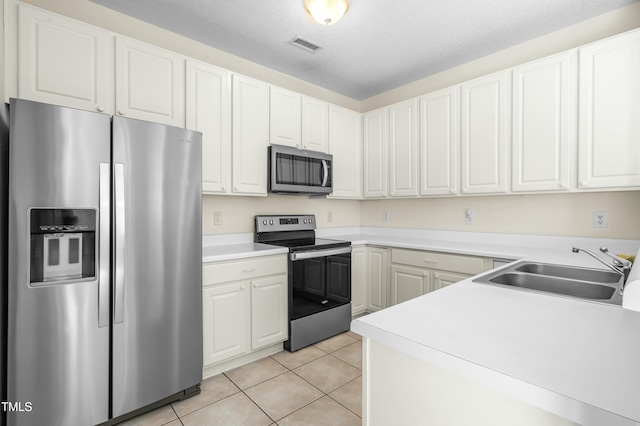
{"x": 305, "y": 44}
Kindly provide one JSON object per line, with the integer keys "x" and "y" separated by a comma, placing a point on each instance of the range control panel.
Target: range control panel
{"x": 273, "y": 223}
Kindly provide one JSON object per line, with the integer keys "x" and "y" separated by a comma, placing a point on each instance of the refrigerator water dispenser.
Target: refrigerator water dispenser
{"x": 62, "y": 246}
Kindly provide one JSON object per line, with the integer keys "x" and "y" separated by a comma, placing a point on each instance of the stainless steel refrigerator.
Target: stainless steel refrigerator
{"x": 102, "y": 269}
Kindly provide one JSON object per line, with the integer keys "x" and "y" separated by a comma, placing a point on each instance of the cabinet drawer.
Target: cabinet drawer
{"x": 447, "y": 262}
{"x": 244, "y": 269}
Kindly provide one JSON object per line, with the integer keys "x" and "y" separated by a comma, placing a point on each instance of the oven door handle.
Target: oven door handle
{"x": 325, "y": 173}
{"x": 319, "y": 253}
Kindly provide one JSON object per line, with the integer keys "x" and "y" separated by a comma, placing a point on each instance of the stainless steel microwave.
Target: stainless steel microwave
{"x": 296, "y": 171}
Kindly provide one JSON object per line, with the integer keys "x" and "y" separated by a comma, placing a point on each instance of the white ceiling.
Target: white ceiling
{"x": 378, "y": 45}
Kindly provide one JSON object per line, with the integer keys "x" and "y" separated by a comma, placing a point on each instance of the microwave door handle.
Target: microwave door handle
{"x": 103, "y": 238}
{"x": 325, "y": 173}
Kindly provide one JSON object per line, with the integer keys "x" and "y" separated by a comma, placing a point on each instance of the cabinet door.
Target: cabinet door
{"x": 358, "y": 280}
{"x": 149, "y": 83}
{"x": 377, "y": 275}
{"x": 208, "y": 110}
{"x": 250, "y": 135}
{"x": 268, "y": 311}
{"x": 225, "y": 313}
{"x": 484, "y": 132}
{"x": 544, "y": 102}
{"x": 315, "y": 125}
{"x": 407, "y": 283}
{"x": 403, "y": 149}
{"x": 439, "y": 122}
{"x": 609, "y": 93}
{"x": 345, "y": 144}
{"x": 376, "y": 153}
{"x": 285, "y": 117}
{"x": 443, "y": 279}
{"x": 64, "y": 62}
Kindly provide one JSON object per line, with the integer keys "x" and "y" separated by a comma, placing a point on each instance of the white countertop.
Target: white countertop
{"x": 213, "y": 253}
{"x": 575, "y": 358}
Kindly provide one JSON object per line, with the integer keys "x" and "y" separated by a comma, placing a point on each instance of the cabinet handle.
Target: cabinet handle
{"x": 100, "y": 109}
{"x": 242, "y": 287}
{"x": 431, "y": 261}
{"x": 249, "y": 270}
{"x": 425, "y": 274}
{"x": 583, "y": 183}
{"x": 452, "y": 190}
{"x": 465, "y": 190}
{"x": 563, "y": 185}
{"x": 255, "y": 285}
{"x": 235, "y": 189}
{"x": 436, "y": 276}
{"x": 222, "y": 188}
{"x": 121, "y": 112}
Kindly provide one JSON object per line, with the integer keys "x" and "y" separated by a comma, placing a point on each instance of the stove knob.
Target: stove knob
{"x": 264, "y": 222}
{"x": 304, "y": 220}
{"x": 271, "y": 222}
{"x": 310, "y": 220}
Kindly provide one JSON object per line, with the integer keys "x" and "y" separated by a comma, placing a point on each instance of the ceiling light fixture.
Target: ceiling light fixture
{"x": 327, "y": 12}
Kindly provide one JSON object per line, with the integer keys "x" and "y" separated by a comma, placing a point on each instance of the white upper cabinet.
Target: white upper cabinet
{"x": 544, "y": 102}
{"x": 208, "y": 110}
{"x": 149, "y": 83}
{"x": 345, "y": 144}
{"x": 315, "y": 124}
{"x": 403, "y": 149}
{"x": 286, "y": 107}
{"x": 609, "y": 134}
{"x": 250, "y": 135}
{"x": 376, "y": 153}
{"x": 439, "y": 122}
{"x": 484, "y": 134}
{"x": 64, "y": 62}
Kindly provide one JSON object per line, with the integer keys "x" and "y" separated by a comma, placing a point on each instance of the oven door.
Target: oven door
{"x": 319, "y": 280}
{"x": 294, "y": 171}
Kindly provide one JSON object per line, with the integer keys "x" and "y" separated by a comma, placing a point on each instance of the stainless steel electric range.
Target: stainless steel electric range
{"x": 319, "y": 278}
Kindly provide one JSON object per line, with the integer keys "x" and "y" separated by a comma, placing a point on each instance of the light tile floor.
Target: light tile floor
{"x": 315, "y": 386}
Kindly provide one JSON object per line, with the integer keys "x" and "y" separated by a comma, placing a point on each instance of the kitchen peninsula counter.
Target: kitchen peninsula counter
{"x": 578, "y": 360}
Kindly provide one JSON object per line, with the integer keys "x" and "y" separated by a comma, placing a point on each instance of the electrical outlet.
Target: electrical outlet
{"x": 468, "y": 217}
{"x": 217, "y": 218}
{"x": 599, "y": 219}
{"x": 329, "y": 217}
{"x": 385, "y": 216}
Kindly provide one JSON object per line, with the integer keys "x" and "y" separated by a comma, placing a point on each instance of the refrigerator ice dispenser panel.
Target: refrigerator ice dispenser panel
{"x": 62, "y": 245}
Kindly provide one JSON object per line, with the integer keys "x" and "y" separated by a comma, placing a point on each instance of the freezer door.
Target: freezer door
{"x": 58, "y": 331}
{"x": 157, "y": 291}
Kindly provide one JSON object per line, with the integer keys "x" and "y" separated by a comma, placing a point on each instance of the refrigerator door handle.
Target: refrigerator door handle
{"x": 118, "y": 304}
{"x": 103, "y": 236}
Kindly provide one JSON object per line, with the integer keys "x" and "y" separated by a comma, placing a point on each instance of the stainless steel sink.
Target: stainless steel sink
{"x": 582, "y": 283}
{"x": 570, "y": 272}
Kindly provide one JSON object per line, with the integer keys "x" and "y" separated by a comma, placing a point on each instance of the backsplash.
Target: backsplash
{"x": 569, "y": 214}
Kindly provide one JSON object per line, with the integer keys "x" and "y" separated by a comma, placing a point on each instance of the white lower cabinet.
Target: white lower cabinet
{"x": 377, "y": 278}
{"x": 225, "y": 311}
{"x": 408, "y": 282}
{"x": 443, "y": 279}
{"x": 358, "y": 280}
{"x": 244, "y": 310}
{"x": 416, "y": 272}
{"x": 268, "y": 302}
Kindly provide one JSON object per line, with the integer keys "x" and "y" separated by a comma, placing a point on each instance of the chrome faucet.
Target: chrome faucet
{"x": 621, "y": 266}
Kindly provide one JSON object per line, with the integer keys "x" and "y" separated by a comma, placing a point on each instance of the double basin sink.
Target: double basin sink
{"x": 583, "y": 283}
